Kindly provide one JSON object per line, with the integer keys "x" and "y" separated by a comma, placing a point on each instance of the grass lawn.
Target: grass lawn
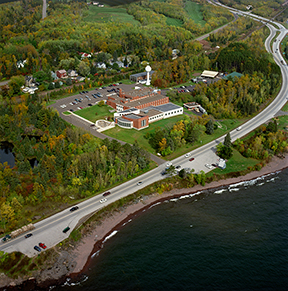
{"x": 106, "y": 14}
{"x": 283, "y": 122}
{"x": 89, "y": 113}
{"x": 235, "y": 164}
{"x": 285, "y": 107}
{"x": 173, "y": 21}
{"x": 130, "y": 135}
{"x": 67, "y": 112}
{"x": 193, "y": 10}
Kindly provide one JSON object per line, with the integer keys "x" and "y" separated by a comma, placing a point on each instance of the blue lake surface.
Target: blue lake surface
{"x": 232, "y": 239}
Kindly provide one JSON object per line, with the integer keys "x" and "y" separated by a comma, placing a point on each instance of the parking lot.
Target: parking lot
{"x": 87, "y": 98}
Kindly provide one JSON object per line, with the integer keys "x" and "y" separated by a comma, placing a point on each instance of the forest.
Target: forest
{"x": 71, "y": 164}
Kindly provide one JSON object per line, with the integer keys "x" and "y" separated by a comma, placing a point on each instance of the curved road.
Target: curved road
{"x": 50, "y": 230}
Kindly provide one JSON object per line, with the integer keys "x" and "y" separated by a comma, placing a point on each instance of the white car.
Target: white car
{"x": 71, "y": 103}
{"x": 238, "y": 128}
{"x": 169, "y": 164}
{"x": 78, "y": 108}
{"x": 103, "y": 200}
{"x": 187, "y": 155}
{"x": 139, "y": 183}
{"x": 208, "y": 166}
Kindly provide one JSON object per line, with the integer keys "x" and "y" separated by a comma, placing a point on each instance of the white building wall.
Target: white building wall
{"x": 174, "y": 112}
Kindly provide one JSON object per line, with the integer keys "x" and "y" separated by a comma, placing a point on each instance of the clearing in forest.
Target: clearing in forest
{"x": 106, "y": 14}
{"x": 194, "y": 12}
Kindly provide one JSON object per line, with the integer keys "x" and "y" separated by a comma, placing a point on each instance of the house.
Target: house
{"x": 72, "y": 74}
{"x": 29, "y": 81}
{"x": 101, "y": 65}
{"x": 54, "y": 76}
{"x": 61, "y": 74}
{"x": 209, "y": 74}
{"x": 80, "y": 79}
{"x": 119, "y": 63}
{"x": 85, "y": 55}
{"x": 20, "y": 64}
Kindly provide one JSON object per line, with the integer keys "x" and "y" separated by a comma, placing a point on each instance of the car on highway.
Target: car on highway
{"x": 103, "y": 200}
{"x": 66, "y": 229}
{"x": 187, "y": 155}
{"x": 139, "y": 183}
{"x": 178, "y": 167}
{"x": 192, "y": 159}
{"x": 107, "y": 193}
{"x": 28, "y": 235}
{"x": 238, "y": 128}
{"x": 37, "y": 249}
{"x": 74, "y": 208}
{"x": 209, "y": 166}
{"x": 42, "y": 246}
{"x": 169, "y": 164}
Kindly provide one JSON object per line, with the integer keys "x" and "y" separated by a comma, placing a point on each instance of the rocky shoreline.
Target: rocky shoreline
{"x": 74, "y": 262}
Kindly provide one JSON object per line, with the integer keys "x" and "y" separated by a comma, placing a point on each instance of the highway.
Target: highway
{"x": 50, "y": 230}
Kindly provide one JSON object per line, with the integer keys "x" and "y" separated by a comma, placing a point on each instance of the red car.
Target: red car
{"x": 192, "y": 159}
{"x": 42, "y": 246}
{"x": 106, "y": 193}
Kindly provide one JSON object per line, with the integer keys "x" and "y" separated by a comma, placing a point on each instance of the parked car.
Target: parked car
{"x": 28, "y": 235}
{"x": 71, "y": 110}
{"x": 89, "y": 104}
{"x": 37, "y": 249}
{"x": 208, "y": 166}
{"x": 74, "y": 208}
{"x": 107, "y": 193}
{"x": 42, "y": 246}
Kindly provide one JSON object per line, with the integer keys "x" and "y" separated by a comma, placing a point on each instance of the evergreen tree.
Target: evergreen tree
{"x": 227, "y": 140}
{"x": 210, "y": 127}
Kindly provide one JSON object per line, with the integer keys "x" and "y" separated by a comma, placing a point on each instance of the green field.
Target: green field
{"x": 193, "y": 10}
{"x": 95, "y": 112}
{"x": 106, "y": 14}
{"x": 130, "y": 135}
{"x": 236, "y": 163}
{"x": 173, "y": 21}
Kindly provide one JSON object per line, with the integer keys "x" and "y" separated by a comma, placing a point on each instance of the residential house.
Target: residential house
{"x": 101, "y": 65}
{"x": 61, "y": 74}
{"x": 72, "y": 74}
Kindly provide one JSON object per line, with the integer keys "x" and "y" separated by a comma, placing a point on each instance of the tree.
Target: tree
{"x": 227, "y": 140}
{"x": 83, "y": 68}
{"x": 57, "y": 84}
{"x": 210, "y": 127}
{"x": 15, "y": 83}
{"x": 69, "y": 82}
{"x": 182, "y": 174}
{"x": 51, "y": 86}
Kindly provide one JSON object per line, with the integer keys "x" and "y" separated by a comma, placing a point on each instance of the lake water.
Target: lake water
{"x": 6, "y": 154}
{"x": 232, "y": 239}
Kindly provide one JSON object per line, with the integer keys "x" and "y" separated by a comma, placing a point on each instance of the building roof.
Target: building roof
{"x": 209, "y": 74}
{"x": 150, "y": 111}
{"x": 133, "y": 116}
{"x": 166, "y": 107}
{"x": 139, "y": 92}
{"x": 129, "y": 110}
{"x": 137, "y": 102}
{"x": 143, "y": 74}
{"x": 233, "y": 75}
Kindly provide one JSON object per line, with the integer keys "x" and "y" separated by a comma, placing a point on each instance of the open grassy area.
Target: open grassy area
{"x": 106, "y": 14}
{"x": 130, "y": 135}
{"x": 193, "y": 10}
{"x": 95, "y": 112}
{"x": 173, "y": 21}
{"x": 236, "y": 163}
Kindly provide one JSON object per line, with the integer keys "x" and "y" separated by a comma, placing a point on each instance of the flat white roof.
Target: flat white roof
{"x": 209, "y": 74}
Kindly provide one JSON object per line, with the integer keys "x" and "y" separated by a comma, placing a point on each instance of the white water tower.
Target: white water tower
{"x": 148, "y": 69}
